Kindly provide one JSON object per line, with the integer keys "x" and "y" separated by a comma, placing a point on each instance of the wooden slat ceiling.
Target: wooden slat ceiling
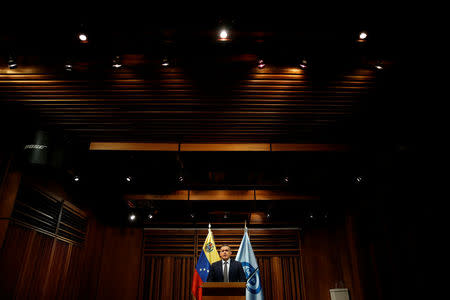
{"x": 273, "y": 104}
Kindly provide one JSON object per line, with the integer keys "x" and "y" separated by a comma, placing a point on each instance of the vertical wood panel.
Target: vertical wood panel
{"x": 12, "y": 257}
{"x": 119, "y": 274}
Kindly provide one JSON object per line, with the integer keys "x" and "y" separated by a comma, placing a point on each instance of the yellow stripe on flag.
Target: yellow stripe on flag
{"x": 209, "y": 247}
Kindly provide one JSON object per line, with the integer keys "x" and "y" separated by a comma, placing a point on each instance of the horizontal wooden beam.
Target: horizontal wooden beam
{"x": 227, "y": 147}
{"x": 222, "y": 195}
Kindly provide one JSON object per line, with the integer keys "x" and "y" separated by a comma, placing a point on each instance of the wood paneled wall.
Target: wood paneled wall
{"x": 169, "y": 252}
{"x": 127, "y": 263}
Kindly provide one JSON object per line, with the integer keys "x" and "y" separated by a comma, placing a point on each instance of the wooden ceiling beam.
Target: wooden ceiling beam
{"x": 222, "y": 195}
{"x": 228, "y": 147}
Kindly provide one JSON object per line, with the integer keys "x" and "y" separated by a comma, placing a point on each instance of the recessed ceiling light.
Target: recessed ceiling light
{"x": 116, "y": 62}
{"x": 12, "y": 64}
{"x": 82, "y": 37}
{"x": 223, "y": 34}
{"x": 261, "y": 64}
{"x": 362, "y": 35}
{"x": 132, "y": 217}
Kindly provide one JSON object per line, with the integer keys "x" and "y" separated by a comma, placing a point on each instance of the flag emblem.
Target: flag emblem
{"x": 209, "y": 247}
{"x": 254, "y": 284}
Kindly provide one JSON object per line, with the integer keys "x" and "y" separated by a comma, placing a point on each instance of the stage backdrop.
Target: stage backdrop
{"x": 169, "y": 258}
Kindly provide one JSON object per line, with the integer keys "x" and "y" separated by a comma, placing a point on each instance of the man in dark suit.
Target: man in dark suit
{"x": 226, "y": 269}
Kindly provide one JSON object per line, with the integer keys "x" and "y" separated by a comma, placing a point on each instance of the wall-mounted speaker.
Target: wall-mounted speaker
{"x": 44, "y": 149}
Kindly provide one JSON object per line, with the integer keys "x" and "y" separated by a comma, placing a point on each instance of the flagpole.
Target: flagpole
{"x": 245, "y": 227}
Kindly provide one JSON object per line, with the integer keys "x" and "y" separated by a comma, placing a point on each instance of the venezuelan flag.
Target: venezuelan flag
{"x": 208, "y": 256}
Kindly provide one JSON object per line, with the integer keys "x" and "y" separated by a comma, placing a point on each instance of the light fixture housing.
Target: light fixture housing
{"x": 83, "y": 37}
{"x": 12, "y": 63}
{"x": 261, "y": 64}
{"x": 303, "y": 64}
{"x": 165, "y": 62}
{"x": 223, "y": 35}
{"x": 116, "y": 62}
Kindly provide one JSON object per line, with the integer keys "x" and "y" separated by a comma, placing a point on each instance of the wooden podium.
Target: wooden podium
{"x": 224, "y": 290}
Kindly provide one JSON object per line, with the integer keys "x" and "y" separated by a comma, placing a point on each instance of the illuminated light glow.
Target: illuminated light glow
{"x": 68, "y": 67}
{"x": 363, "y": 35}
{"x": 379, "y": 67}
{"x": 150, "y": 216}
{"x": 304, "y": 64}
{"x": 223, "y": 34}
{"x": 132, "y": 217}
{"x": 128, "y": 179}
{"x": 76, "y": 178}
{"x": 261, "y": 64}
{"x": 82, "y": 37}
{"x": 117, "y": 65}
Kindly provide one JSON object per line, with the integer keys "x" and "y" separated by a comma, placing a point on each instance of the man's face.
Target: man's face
{"x": 225, "y": 252}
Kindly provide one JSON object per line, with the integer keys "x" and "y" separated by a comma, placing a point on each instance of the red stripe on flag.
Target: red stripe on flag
{"x": 196, "y": 286}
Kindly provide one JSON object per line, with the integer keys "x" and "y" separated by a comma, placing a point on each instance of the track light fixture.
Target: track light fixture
{"x": 223, "y": 35}
{"x": 379, "y": 65}
{"x": 165, "y": 62}
{"x": 362, "y": 36}
{"x": 83, "y": 37}
{"x": 261, "y": 64}
{"x": 303, "y": 64}
{"x": 116, "y": 62}
{"x": 12, "y": 63}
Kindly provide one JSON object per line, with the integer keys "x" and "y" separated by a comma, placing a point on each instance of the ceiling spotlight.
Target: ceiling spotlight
{"x": 379, "y": 66}
{"x": 362, "y": 36}
{"x": 128, "y": 178}
{"x": 180, "y": 179}
{"x": 261, "y": 64}
{"x": 192, "y": 215}
{"x": 165, "y": 62}
{"x": 223, "y": 35}
{"x": 303, "y": 64}
{"x": 76, "y": 178}
{"x": 68, "y": 67}
{"x": 150, "y": 216}
{"x": 269, "y": 215}
{"x": 311, "y": 216}
{"x": 359, "y": 179}
{"x": 286, "y": 179}
{"x": 132, "y": 217}
{"x": 116, "y": 62}
{"x": 12, "y": 64}
{"x": 83, "y": 37}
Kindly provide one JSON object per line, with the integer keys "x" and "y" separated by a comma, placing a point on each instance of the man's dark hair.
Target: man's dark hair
{"x": 225, "y": 245}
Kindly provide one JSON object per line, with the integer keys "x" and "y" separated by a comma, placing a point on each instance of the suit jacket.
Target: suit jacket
{"x": 235, "y": 272}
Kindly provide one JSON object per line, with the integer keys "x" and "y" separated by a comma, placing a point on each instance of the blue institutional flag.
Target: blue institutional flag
{"x": 247, "y": 258}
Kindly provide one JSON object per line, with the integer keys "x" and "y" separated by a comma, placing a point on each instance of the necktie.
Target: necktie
{"x": 225, "y": 272}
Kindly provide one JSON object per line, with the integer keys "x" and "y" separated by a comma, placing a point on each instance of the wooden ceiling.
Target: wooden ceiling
{"x": 211, "y": 92}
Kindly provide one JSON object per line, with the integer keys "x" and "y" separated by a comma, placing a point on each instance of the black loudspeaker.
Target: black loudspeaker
{"x": 36, "y": 152}
{"x": 43, "y": 149}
